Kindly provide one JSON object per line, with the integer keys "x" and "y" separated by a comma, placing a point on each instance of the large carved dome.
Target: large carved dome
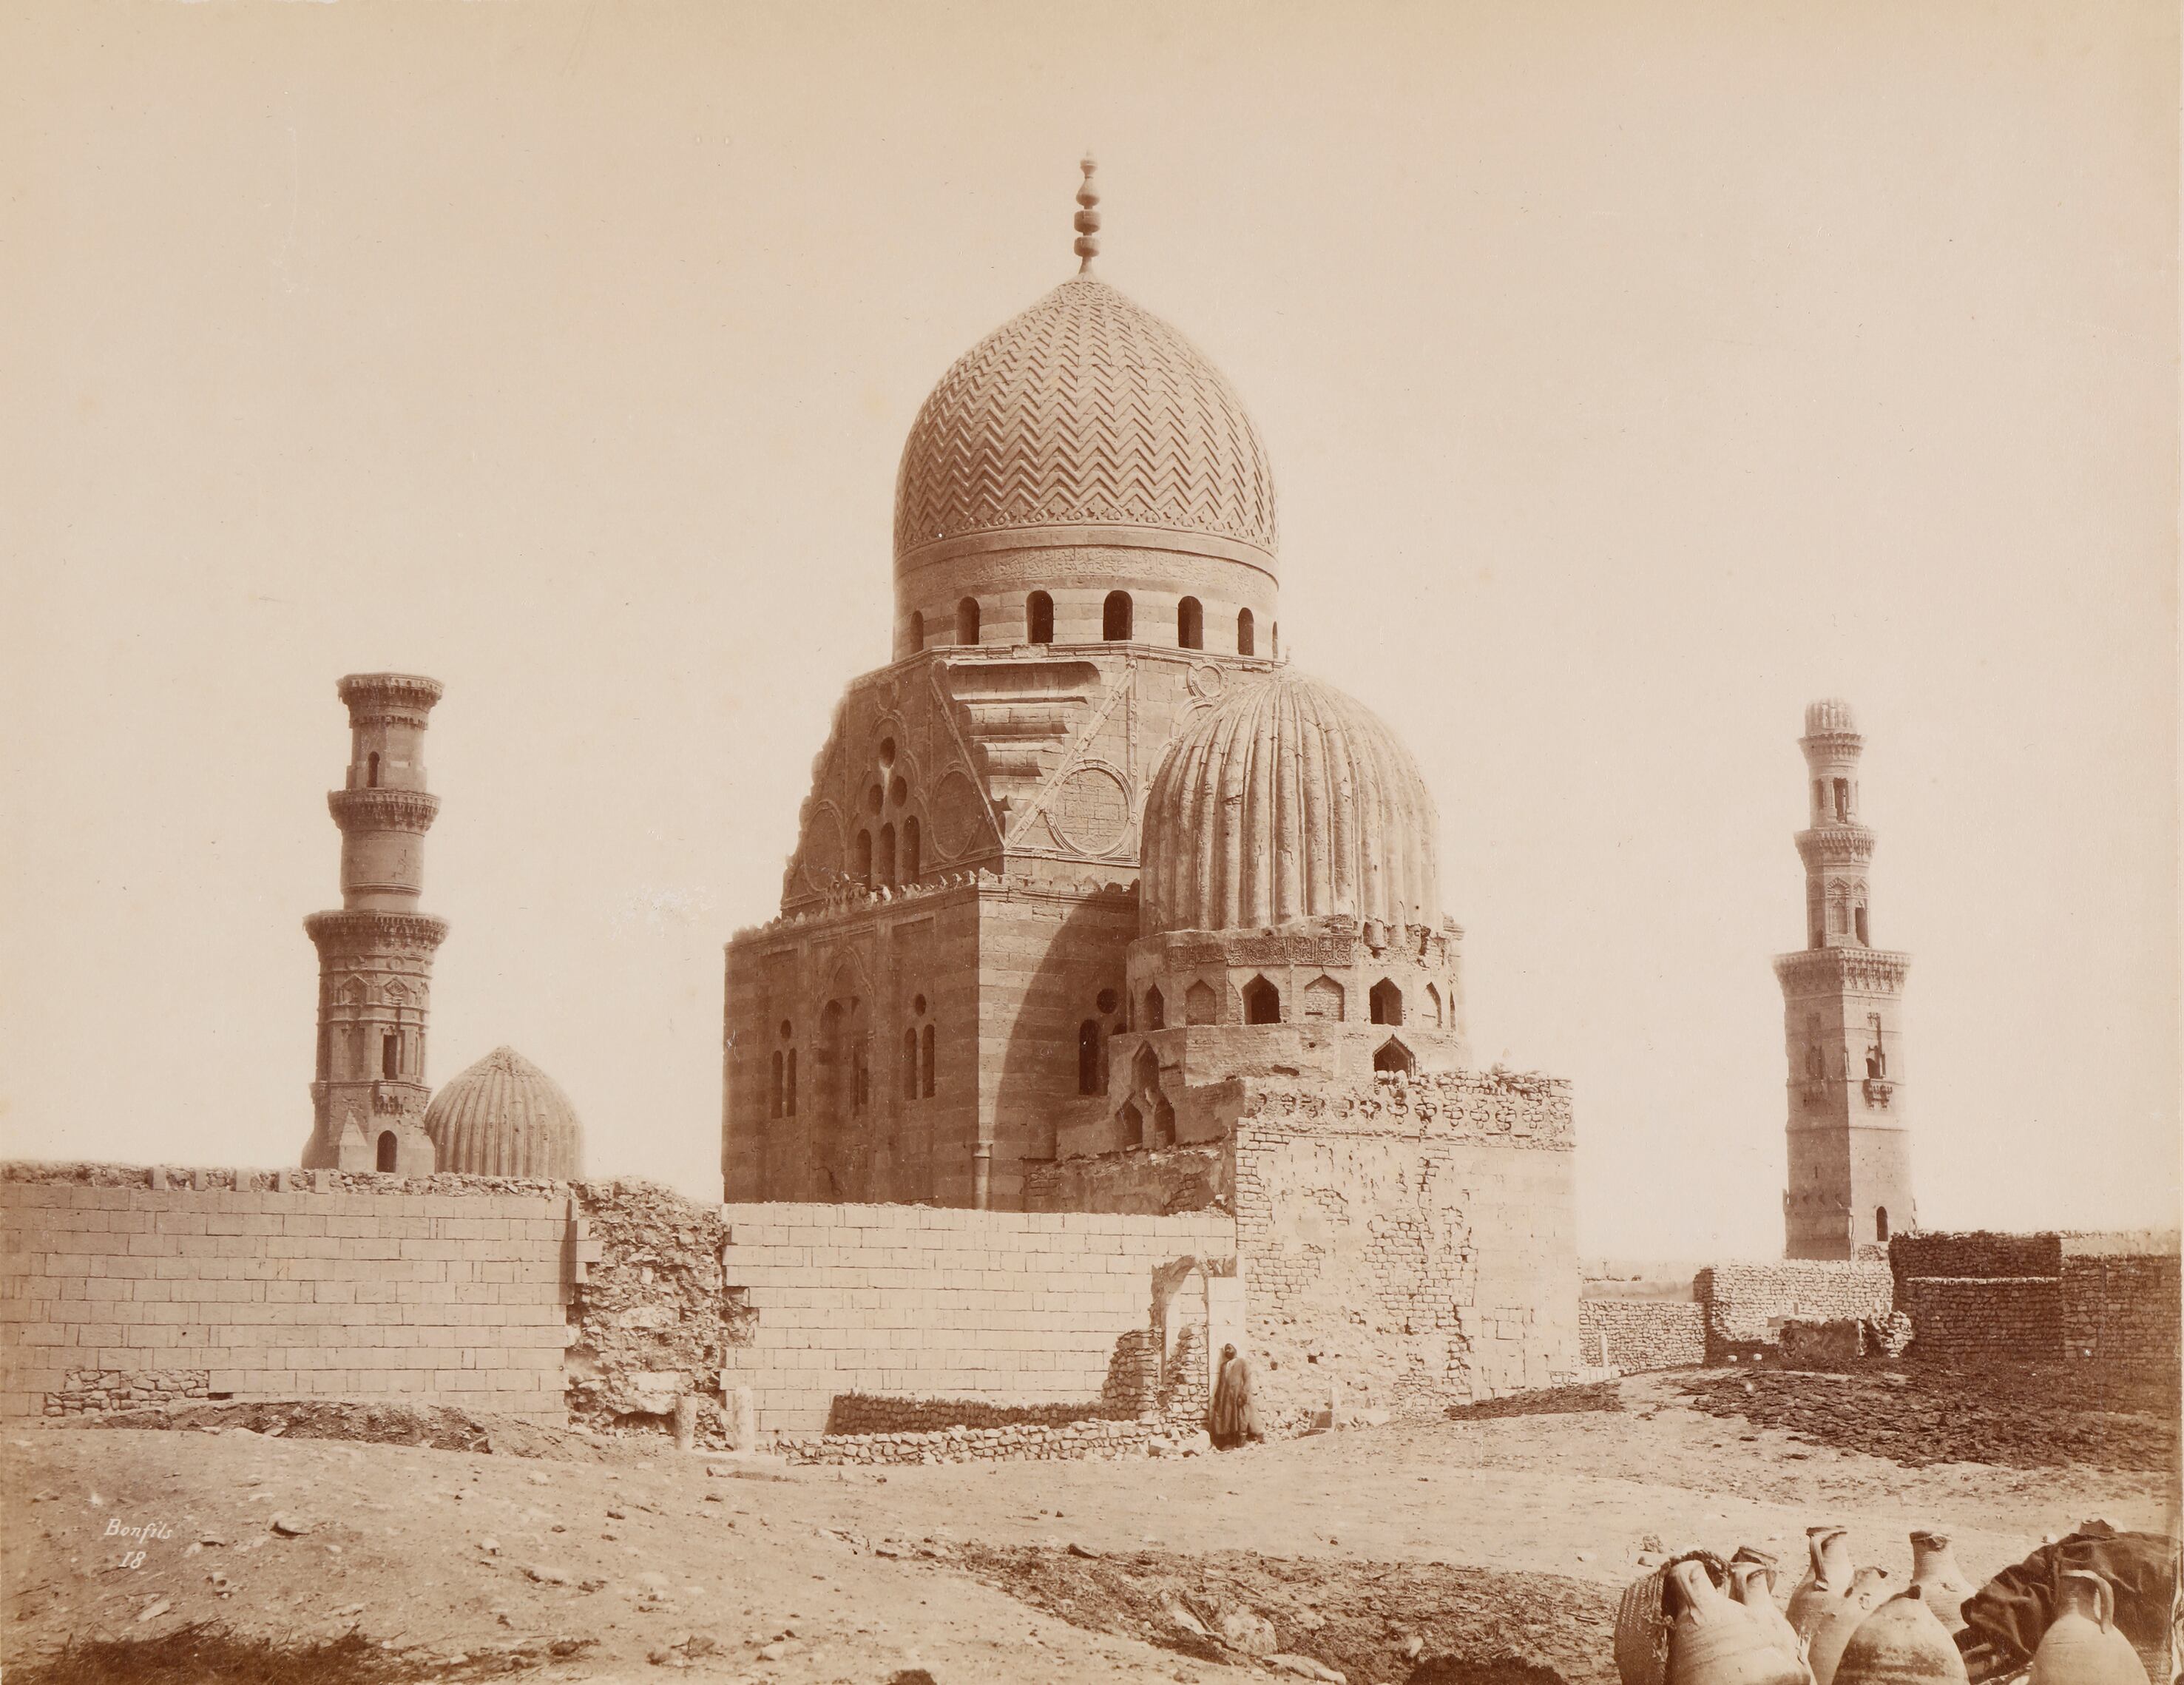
{"x": 504, "y": 1117}
{"x": 1086, "y": 412}
{"x": 1287, "y": 801}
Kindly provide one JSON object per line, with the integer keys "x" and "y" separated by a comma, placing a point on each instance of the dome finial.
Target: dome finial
{"x": 1088, "y": 218}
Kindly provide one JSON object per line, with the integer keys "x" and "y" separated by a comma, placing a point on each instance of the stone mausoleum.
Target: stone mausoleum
{"x": 1098, "y": 905}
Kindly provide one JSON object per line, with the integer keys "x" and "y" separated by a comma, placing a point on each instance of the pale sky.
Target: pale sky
{"x": 1632, "y": 375}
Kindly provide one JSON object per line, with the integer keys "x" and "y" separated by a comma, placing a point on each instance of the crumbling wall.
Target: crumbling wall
{"x": 1844, "y": 1344}
{"x": 1747, "y": 1304}
{"x": 1641, "y": 1334}
{"x": 648, "y": 1309}
{"x": 1158, "y": 1182}
{"x": 1407, "y": 1243}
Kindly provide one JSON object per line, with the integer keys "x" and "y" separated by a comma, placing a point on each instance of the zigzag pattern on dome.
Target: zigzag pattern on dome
{"x": 1085, "y": 409}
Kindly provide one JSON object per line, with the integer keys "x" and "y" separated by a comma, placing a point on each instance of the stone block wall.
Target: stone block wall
{"x": 1406, "y": 1244}
{"x": 120, "y": 1285}
{"x": 1746, "y": 1304}
{"x": 1641, "y": 1334}
{"x": 916, "y": 1301}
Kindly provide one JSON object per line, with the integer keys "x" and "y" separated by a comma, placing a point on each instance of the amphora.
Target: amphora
{"x": 1838, "y": 1618}
{"x": 2081, "y": 1645}
{"x": 1826, "y": 1580}
{"x": 1752, "y": 1583}
{"x": 1714, "y": 1642}
{"x": 1934, "y": 1570}
{"x": 1902, "y": 1642}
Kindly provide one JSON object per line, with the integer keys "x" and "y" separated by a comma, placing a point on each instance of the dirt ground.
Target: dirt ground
{"x": 1489, "y": 1549}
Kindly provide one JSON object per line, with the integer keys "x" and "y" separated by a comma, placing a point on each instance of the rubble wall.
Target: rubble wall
{"x": 648, "y": 1314}
{"x": 1746, "y": 1304}
{"x": 2120, "y": 1303}
{"x": 1641, "y": 1334}
{"x": 916, "y": 1302}
{"x": 121, "y": 1285}
{"x": 1406, "y": 1243}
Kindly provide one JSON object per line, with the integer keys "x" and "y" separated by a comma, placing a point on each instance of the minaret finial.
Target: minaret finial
{"x": 1088, "y": 218}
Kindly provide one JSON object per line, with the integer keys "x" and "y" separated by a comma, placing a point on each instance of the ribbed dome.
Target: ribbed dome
{"x": 1830, "y": 714}
{"x": 1288, "y": 801}
{"x": 1085, "y": 411}
{"x": 504, "y": 1117}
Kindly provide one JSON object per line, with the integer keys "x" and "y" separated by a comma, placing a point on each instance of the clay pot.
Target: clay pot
{"x": 1934, "y": 1570}
{"x": 1836, "y": 1619}
{"x": 1715, "y": 1642}
{"x": 2081, "y": 1645}
{"x": 1827, "y": 1579}
{"x": 1752, "y": 1583}
{"x": 1902, "y": 1642}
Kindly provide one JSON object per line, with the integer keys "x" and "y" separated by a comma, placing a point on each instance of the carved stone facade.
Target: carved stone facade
{"x": 1849, "y": 1140}
{"x": 1097, "y": 908}
{"x": 369, "y": 1092}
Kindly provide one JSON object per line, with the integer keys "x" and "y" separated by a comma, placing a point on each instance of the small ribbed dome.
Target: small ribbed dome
{"x": 1085, "y": 410}
{"x": 1287, "y": 801}
{"x": 504, "y": 1117}
{"x": 1830, "y": 714}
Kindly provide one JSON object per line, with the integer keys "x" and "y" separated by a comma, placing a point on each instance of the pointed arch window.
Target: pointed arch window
{"x": 1262, "y": 1003}
{"x": 926, "y": 1060}
{"x": 390, "y": 1055}
{"x": 912, "y": 844}
{"x": 371, "y": 770}
{"x": 917, "y": 632}
{"x": 387, "y": 1148}
{"x": 1156, "y": 1010}
{"x": 1387, "y": 1001}
{"x": 1246, "y": 635}
{"x": 862, "y": 869}
{"x": 1117, "y": 617}
{"x": 967, "y": 620}
{"x": 1190, "y": 624}
{"x": 1392, "y": 1055}
{"x": 884, "y": 860}
{"x": 1038, "y": 618}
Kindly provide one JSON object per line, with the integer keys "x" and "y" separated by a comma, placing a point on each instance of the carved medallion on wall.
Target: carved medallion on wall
{"x": 954, "y": 814}
{"x": 823, "y": 846}
{"x": 1091, "y": 810}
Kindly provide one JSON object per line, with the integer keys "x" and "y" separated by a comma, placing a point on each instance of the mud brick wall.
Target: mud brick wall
{"x": 447, "y": 1290}
{"x": 1746, "y": 1304}
{"x": 1641, "y": 1334}
{"x": 920, "y": 1302}
{"x": 1973, "y": 1318}
{"x": 1406, "y": 1244}
{"x": 2120, "y": 1306}
{"x": 1974, "y": 1252}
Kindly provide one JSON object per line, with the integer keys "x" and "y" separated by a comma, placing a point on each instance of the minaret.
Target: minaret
{"x": 376, "y": 954}
{"x": 1842, "y": 1000}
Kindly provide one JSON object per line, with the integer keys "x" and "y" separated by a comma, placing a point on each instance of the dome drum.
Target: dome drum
{"x": 1025, "y": 601}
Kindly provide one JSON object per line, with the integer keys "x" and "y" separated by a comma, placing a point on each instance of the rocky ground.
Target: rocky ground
{"x": 1488, "y": 1549}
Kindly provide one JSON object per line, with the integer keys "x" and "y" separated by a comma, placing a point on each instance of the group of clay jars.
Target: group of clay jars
{"x": 1842, "y": 1627}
